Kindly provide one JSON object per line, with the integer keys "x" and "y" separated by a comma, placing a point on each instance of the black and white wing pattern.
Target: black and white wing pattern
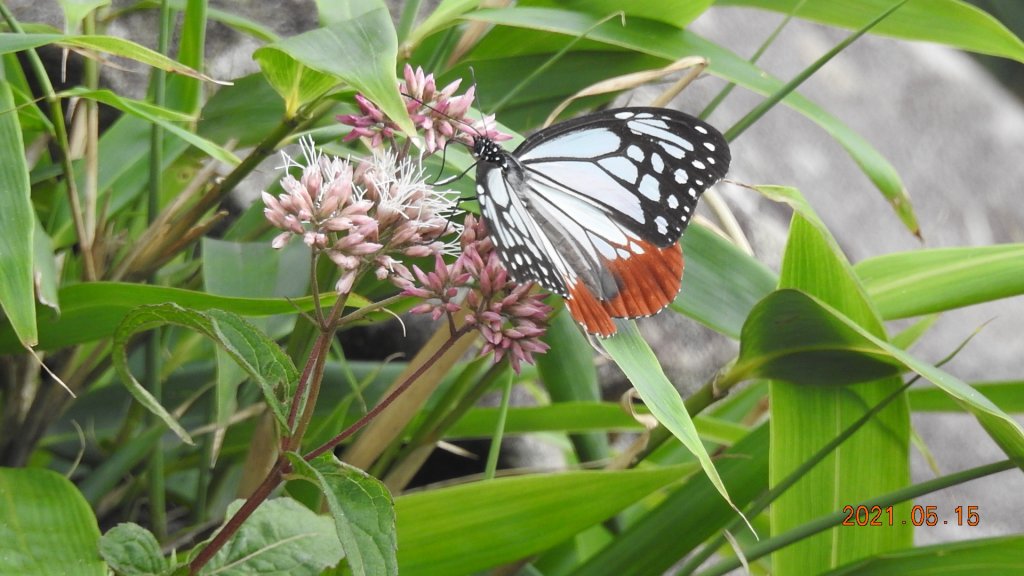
{"x": 593, "y": 208}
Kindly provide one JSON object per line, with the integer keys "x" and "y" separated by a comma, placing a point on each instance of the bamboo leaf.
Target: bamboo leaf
{"x": 951, "y": 22}
{"x": 46, "y": 527}
{"x": 486, "y": 524}
{"x": 805, "y": 415}
{"x": 632, "y": 354}
{"x": 920, "y": 282}
{"x": 17, "y": 225}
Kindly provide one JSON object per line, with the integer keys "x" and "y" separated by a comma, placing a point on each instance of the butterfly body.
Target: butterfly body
{"x": 593, "y": 208}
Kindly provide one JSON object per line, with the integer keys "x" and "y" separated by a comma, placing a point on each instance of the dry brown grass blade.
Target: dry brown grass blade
{"x": 379, "y": 434}
{"x": 636, "y": 79}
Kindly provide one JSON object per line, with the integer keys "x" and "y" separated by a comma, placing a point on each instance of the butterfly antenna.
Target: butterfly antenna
{"x": 429, "y": 107}
{"x": 483, "y": 117}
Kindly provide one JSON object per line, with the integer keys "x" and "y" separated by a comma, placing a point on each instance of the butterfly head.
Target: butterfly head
{"x": 488, "y": 151}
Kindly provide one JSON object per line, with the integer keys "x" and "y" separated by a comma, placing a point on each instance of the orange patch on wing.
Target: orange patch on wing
{"x": 647, "y": 281}
{"x": 589, "y": 311}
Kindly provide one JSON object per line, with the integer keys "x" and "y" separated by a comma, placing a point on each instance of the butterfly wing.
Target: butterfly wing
{"x": 592, "y": 208}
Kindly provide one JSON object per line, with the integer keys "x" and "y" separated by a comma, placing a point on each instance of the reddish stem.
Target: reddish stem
{"x": 281, "y": 467}
{"x": 359, "y": 424}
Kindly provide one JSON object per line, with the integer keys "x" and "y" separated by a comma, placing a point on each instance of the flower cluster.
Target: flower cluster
{"x": 369, "y": 215}
{"x": 438, "y": 114}
{"x": 511, "y": 317}
{"x": 362, "y": 218}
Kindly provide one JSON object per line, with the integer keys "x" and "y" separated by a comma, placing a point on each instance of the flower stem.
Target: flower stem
{"x": 369, "y": 416}
{"x": 281, "y": 467}
{"x": 312, "y": 376}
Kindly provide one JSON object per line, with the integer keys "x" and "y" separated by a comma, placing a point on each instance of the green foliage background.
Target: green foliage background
{"x": 102, "y": 242}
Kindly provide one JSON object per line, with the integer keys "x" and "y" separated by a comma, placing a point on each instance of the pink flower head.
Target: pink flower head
{"x": 439, "y": 114}
{"x": 510, "y": 317}
{"x": 366, "y": 218}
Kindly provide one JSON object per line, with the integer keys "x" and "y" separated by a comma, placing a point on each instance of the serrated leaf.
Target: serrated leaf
{"x": 281, "y": 537}
{"x": 363, "y": 511}
{"x": 259, "y": 356}
{"x": 46, "y": 527}
{"x": 132, "y": 550}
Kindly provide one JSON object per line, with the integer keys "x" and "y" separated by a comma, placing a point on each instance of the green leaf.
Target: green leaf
{"x": 132, "y": 550}
{"x": 471, "y": 527}
{"x": 281, "y": 537}
{"x": 669, "y": 531}
{"x": 920, "y": 282}
{"x": 805, "y": 416}
{"x": 46, "y": 282}
{"x": 257, "y": 30}
{"x": 163, "y": 117}
{"x": 12, "y": 42}
{"x": 364, "y": 514}
{"x": 249, "y": 269}
{"x": 259, "y": 356}
{"x": 569, "y": 375}
{"x": 792, "y": 306}
{"x": 112, "y": 471}
{"x": 577, "y": 417}
{"x": 807, "y": 349}
{"x": 635, "y": 358}
{"x": 721, "y": 283}
{"x": 361, "y": 51}
{"x": 560, "y": 417}
{"x": 296, "y": 83}
{"x": 252, "y": 98}
{"x": 441, "y": 17}
{"x": 677, "y": 13}
{"x": 93, "y": 310}
{"x": 17, "y": 224}
{"x": 76, "y": 10}
{"x": 969, "y": 558}
{"x": 1009, "y": 396}
{"x": 949, "y": 22}
{"x": 46, "y": 527}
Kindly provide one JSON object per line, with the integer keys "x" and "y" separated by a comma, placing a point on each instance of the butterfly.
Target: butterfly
{"x": 592, "y": 209}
